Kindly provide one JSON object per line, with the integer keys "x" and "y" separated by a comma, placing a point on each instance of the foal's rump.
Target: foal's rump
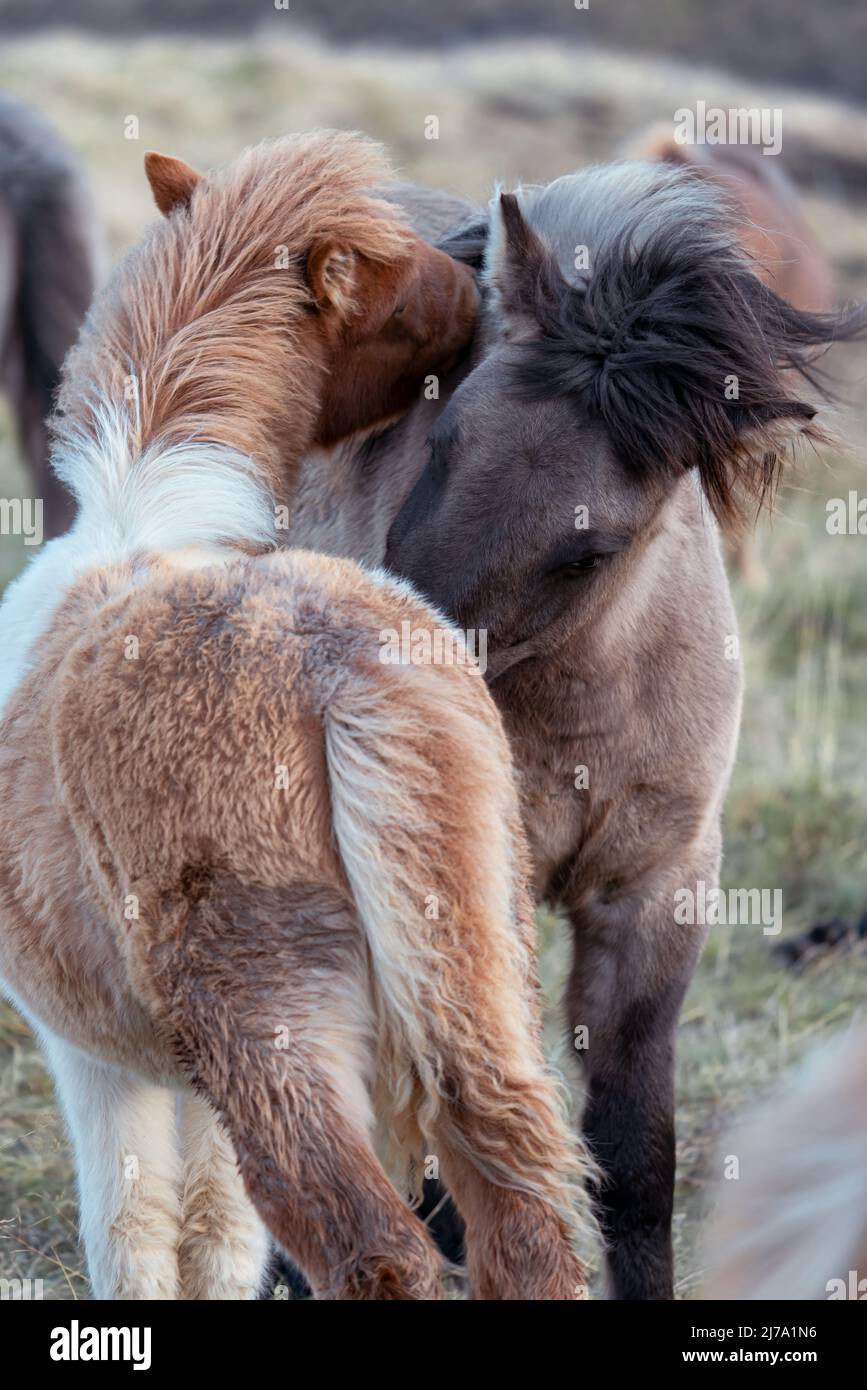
{"x": 309, "y": 867}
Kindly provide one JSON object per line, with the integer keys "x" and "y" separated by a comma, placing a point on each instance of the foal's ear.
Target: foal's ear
{"x": 331, "y": 275}
{"x": 171, "y": 180}
{"x": 519, "y": 265}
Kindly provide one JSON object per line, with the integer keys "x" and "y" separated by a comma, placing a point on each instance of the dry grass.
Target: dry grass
{"x": 798, "y": 806}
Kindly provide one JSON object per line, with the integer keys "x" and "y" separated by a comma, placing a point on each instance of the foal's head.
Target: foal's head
{"x": 627, "y": 350}
{"x": 383, "y": 308}
{"x": 281, "y": 303}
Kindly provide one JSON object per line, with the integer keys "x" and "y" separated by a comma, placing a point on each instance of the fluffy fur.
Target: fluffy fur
{"x": 224, "y": 819}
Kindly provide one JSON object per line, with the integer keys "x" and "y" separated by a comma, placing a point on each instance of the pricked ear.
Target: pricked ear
{"x": 171, "y": 180}
{"x": 332, "y": 275}
{"x": 520, "y": 266}
{"x": 521, "y": 241}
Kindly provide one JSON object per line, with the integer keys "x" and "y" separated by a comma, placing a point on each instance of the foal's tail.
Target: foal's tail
{"x": 426, "y": 821}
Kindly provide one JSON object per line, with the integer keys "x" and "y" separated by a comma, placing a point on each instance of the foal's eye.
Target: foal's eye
{"x": 575, "y": 567}
{"x": 401, "y": 308}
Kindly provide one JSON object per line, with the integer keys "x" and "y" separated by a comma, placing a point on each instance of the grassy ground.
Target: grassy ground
{"x": 796, "y": 814}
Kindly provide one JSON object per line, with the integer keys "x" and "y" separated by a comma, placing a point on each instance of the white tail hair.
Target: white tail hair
{"x": 163, "y": 498}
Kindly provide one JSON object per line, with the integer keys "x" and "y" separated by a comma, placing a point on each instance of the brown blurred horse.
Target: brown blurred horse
{"x": 47, "y": 278}
{"x": 770, "y": 220}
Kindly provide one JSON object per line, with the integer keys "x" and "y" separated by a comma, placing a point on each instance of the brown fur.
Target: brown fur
{"x": 212, "y": 328}
{"x": 246, "y": 920}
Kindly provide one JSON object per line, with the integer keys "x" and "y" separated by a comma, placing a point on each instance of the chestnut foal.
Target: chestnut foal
{"x": 257, "y": 887}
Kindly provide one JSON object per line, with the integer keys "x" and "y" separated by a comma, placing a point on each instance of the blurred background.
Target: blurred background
{"x": 530, "y": 90}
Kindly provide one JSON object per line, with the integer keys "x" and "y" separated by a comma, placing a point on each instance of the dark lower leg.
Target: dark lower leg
{"x": 631, "y": 1135}
{"x": 627, "y": 1016}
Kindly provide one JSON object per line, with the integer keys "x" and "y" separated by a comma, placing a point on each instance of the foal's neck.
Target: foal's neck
{"x": 189, "y": 391}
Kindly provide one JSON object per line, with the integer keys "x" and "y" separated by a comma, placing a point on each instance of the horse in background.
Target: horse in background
{"x": 771, "y": 225}
{"x": 793, "y": 1224}
{"x": 262, "y": 892}
{"x": 48, "y": 272}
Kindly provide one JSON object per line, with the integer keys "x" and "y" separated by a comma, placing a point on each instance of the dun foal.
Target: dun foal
{"x": 258, "y": 889}
{"x": 563, "y": 493}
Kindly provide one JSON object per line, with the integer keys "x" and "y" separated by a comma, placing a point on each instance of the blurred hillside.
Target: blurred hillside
{"x": 792, "y": 41}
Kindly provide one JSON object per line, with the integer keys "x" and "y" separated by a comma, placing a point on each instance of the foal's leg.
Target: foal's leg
{"x": 123, "y": 1132}
{"x": 266, "y": 993}
{"x": 223, "y": 1248}
{"x": 630, "y": 973}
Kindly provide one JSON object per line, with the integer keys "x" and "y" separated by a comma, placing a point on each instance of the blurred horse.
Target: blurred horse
{"x": 770, "y": 220}
{"x": 794, "y": 1224}
{"x": 47, "y": 278}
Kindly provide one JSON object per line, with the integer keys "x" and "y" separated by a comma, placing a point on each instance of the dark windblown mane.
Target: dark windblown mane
{"x": 652, "y": 337}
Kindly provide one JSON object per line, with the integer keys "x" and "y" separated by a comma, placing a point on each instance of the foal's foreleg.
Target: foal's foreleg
{"x": 123, "y": 1132}
{"x": 629, "y": 976}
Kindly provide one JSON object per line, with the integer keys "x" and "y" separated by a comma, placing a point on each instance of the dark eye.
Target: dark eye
{"x": 576, "y": 567}
{"x": 401, "y": 308}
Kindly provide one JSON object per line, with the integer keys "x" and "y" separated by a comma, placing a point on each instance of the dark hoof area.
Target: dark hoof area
{"x": 284, "y": 1279}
